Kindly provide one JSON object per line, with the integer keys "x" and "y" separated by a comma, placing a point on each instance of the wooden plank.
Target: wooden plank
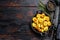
{"x": 19, "y": 2}
{"x": 16, "y": 15}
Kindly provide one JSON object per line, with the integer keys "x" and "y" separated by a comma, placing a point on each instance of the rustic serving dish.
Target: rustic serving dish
{"x": 41, "y": 33}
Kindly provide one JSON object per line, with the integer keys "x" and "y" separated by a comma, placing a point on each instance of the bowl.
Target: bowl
{"x": 41, "y": 33}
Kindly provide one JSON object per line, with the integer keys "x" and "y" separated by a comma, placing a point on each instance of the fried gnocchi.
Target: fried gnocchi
{"x": 41, "y": 22}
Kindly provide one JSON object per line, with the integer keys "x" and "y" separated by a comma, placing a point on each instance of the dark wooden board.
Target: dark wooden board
{"x": 13, "y": 13}
{"x": 19, "y": 2}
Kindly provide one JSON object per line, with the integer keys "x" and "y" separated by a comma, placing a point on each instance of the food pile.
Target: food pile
{"x": 41, "y": 22}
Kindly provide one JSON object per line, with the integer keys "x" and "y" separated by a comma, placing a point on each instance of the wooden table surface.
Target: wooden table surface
{"x": 13, "y": 13}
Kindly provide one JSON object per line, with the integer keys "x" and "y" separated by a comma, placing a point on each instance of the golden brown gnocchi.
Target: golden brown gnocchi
{"x": 41, "y": 22}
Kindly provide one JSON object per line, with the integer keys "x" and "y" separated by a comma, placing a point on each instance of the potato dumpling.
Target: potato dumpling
{"x": 49, "y": 23}
{"x": 42, "y": 15}
{"x": 35, "y": 20}
{"x": 33, "y": 24}
{"x": 46, "y": 28}
{"x": 46, "y": 18}
{"x": 39, "y": 29}
{"x": 38, "y": 15}
{"x": 45, "y": 23}
{"x": 39, "y": 25}
{"x": 42, "y": 30}
{"x": 41, "y": 20}
{"x": 42, "y": 26}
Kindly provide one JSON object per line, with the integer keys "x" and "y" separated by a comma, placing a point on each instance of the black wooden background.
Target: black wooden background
{"x": 15, "y": 13}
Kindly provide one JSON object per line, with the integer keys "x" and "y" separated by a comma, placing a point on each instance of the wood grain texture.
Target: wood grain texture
{"x": 18, "y": 2}
{"x": 15, "y": 17}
